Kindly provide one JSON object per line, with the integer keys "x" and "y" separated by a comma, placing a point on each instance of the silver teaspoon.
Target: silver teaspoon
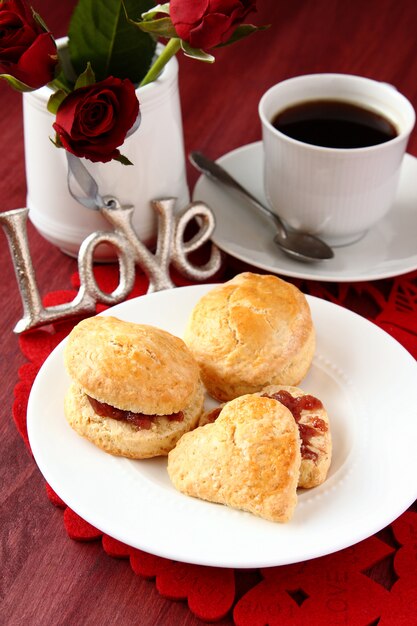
{"x": 300, "y": 246}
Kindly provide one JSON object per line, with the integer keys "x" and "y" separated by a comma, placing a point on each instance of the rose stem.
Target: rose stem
{"x": 169, "y": 51}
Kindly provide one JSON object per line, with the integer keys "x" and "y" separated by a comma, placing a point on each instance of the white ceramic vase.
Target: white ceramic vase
{"x": 156, "y": 150}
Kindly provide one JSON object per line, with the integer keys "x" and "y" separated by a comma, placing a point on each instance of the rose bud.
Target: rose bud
{"x": 204, "y": 24}
{"x": 93, "y": 121}
{"x": 27, "y": 52}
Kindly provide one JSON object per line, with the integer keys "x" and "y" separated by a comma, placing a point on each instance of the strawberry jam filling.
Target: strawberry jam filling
{"x": 139, "y": 420}
{"x": 212, "y": 415}
{"x": 307, "y": 431}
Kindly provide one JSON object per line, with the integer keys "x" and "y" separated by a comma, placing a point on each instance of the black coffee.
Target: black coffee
{"x": 334, "y": 124}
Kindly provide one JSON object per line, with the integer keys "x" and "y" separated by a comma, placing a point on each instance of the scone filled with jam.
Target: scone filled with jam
{"x": 312, "y": 420}
{"x": 135, "y": 388}
{"x": 252, "y": 331}
{"x": 313, "y": 425}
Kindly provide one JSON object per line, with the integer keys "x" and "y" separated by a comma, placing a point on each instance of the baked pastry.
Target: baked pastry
{"x": 136, "y": 388}
{"x": 209, "y": 416}
{"x": 252, "y": 331}
{"x": 249, "y": 459}
{"x": 314, "y": 428}
{"x": 313, "y": 424}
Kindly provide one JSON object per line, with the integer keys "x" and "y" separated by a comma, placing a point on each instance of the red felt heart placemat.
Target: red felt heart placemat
{"x": 335, "y": 589}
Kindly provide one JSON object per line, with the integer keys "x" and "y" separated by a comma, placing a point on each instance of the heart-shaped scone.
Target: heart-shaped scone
{"x": 313, "y": 425}
{"x": 249, "y": 459}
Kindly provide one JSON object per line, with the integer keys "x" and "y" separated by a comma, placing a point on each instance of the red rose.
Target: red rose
{"x": 207, "y": 23}
{"x": 93, "y": 121}
{"x": 27, "y": 52}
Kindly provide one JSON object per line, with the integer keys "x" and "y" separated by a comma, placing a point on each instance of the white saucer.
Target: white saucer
{"x": 389, "y": 249}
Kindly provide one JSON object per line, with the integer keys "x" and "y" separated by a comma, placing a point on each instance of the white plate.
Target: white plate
{"x": 368, "y": 384}
{"x": 389, "y": 249}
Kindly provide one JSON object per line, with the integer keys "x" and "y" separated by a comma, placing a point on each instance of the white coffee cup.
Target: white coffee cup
{"x": 335, "y": 193}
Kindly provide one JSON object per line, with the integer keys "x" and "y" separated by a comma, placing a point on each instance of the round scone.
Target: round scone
{"x": 135, "y": 388}
{"x": 252, "y": 331}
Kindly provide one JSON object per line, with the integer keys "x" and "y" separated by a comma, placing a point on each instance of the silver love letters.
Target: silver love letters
{"x": 170, "y": 249}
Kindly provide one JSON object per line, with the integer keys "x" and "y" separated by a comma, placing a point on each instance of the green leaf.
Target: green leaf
{"x": 40, "y": 21}
{"x": 61, "y": 82}
{"x": 16, "y": 84}
{"x": 152, "y": 13}
{"x": 241, "y": 32}
{"x": 100, "y": 32}
{"x": 56, "y": 100}
{"x": 195, "y": 53}
{"x": 162, "y": 27}
{"x": 123, "y": 160}
{"x": 86, "y": 78}
{"x": 56, "y": 141}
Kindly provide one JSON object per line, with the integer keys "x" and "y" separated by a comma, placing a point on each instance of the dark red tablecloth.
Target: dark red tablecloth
{"x": 49, "y": 579}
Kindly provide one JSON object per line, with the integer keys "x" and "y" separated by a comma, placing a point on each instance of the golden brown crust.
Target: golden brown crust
{"x": 313, "y": 471}
{"x": 134, "y": 367}
{"x": 248, "y": 459}
{"x": 121, "y": 438}
{"x": 252, "y": 331}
